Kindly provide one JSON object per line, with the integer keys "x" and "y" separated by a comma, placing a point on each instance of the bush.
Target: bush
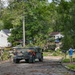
{"x": 5, "y": 55}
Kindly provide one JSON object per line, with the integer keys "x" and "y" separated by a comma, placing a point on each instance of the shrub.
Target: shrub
{"x": 5, "y": 55}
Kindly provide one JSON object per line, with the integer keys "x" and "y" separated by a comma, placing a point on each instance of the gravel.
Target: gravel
{"x": 47, "y": 67}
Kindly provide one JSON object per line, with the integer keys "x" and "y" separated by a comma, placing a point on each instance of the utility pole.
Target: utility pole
{"x": 0, "y": 8}
{"x": 23, "y": 25}
{"x": 0, "y": 5}
{"x": 23, "y": 31}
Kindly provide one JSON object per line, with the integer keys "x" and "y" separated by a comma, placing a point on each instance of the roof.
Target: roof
{"x": 6, "y": 31}
{"x": 54, "y": 33}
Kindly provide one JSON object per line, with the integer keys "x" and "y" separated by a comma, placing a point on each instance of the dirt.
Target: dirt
{"x": 50, "y": 66}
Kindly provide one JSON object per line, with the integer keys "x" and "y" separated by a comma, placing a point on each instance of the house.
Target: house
{"x": 56, "y": 35}
{"x": 4, "y": 34}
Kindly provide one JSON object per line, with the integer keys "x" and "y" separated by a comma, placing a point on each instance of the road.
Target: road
{"x": 50, "y": 66}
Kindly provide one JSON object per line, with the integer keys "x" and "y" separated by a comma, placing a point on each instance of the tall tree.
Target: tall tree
{"x": 36, "y": 16}
{"x": 1, "y": 8}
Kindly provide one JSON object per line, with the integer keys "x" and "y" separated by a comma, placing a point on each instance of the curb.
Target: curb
{"x": 67, "y": 67}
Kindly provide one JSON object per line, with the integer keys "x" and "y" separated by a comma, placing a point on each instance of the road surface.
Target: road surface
{"x": 50, "y": 66}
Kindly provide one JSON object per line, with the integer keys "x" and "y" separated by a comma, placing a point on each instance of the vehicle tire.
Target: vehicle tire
{"x": 41, "y": 59}
{"x": 16, "y": 60}
{"x": 33, "y": 59}
{"x": 27, "y": 60}
{"x": 30, "y": 60}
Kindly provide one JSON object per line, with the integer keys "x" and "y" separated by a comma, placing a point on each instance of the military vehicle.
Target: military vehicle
{"x": 28, "y": 54}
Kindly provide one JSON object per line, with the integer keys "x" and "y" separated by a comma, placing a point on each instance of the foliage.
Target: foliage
{"x": 1, "y": 24}
{"x": 37, "y": 23}
{"x": 5, "y": 55}
{"x": 41, "y": 18}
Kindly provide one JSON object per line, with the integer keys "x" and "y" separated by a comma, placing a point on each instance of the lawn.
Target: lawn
{"x": 53, "y": 53}
{"x": 71, "y": 66}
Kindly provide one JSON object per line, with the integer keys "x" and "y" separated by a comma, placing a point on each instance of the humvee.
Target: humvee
{"x": 28, "y": 54}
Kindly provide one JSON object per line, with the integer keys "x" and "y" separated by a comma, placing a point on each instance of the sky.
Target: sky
{"x": 5, "y": 1}
{"x": 50, "y": 0}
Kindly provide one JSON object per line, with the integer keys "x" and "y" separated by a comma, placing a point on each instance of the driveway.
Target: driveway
{"x": 50, "y": 66}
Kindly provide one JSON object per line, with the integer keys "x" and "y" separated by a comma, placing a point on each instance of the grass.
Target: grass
{"x": 52, "y": 53}
{"x": 55, "y": 54}
{"x": 45, "y": 53}
{"x": 68, "y": 60}
{"x": 71, "y": 66}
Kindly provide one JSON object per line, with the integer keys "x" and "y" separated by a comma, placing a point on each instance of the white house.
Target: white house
{"x": 56, "y": 35}
{"x": 4, "y": 34}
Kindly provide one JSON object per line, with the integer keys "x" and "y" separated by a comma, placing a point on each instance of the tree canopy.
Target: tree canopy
{"x": 41, "y": 18}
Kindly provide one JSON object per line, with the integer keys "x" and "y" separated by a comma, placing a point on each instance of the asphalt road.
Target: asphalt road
{"x": 50, "y": 66}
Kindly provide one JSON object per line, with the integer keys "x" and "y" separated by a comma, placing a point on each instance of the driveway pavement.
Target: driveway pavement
{"x": 50, "y": 66}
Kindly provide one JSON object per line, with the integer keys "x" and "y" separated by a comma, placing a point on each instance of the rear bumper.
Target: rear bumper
{"x": 21, "y": 57}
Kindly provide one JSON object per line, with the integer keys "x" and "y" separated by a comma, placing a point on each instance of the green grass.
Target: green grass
{"x": 53, "y": 53}
{"x": 57, "y": 53}
{"x": 45, "y": 53}
{"x": 71, "y": 66}
{"x": 68, "y": 60}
